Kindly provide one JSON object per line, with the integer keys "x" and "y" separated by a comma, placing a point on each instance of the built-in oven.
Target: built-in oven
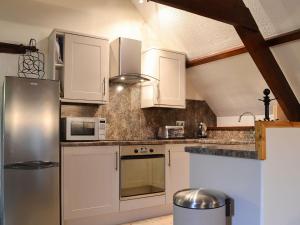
{"x": 142, "y": 171}
{"x": 83, "y": 128}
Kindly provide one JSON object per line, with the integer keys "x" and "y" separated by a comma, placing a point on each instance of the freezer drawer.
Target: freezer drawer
{"x": 31, "y": 195}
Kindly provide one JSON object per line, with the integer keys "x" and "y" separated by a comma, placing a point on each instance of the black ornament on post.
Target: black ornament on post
{"x": 267, "y": 100}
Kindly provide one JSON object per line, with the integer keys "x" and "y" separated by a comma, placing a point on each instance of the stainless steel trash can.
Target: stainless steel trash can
{"x": 201, "y": 207}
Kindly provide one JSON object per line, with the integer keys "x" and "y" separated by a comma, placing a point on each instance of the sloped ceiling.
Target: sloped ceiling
{"x": 199, "y": 36}
{"x": 106, "y": 18}
{"x": 230, "y": 86}
{"x": 186, "y": 32}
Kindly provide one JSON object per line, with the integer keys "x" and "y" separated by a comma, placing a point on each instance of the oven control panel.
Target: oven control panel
{"x": 142, "y": 150}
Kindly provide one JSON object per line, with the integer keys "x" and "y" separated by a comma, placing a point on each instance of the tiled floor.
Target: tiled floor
{"x": 165, "y": 220}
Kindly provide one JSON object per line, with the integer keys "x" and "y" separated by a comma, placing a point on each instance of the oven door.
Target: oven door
{"x": 82, "y": 129}
{"x": 142, "y": 176}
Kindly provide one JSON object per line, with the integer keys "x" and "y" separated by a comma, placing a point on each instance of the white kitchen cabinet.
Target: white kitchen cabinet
{"x": 168, "y": 89}
{"x": 90, "y": 181}
{"x": 177, "y": 170}
{"x": 84, "y": 68}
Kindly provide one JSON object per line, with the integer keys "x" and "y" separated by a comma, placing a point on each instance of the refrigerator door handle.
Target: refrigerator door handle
{"x": 31, "y": 165}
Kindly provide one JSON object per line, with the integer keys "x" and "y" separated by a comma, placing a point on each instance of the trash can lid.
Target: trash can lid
{"x": 200, "y": 199}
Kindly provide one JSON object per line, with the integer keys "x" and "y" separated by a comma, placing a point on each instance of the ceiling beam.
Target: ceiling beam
{"x": 271, "y": 71}
{"x": 273, "y": 41}
{"x": 284, "y": 38}
{"x": 235, "y": 12}
{"x": 226, "y": 11}
{"x": 215, "y": 57}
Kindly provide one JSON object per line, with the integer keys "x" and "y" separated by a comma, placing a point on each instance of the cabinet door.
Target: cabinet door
{"x": 171, "y": 75}
{"x": 177, "y": 170}
{"x": 86, "y": 68}
{"x": 90, "y": 181}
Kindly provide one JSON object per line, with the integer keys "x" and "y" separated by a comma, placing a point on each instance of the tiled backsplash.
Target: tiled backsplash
{"x": 127, "y": 121}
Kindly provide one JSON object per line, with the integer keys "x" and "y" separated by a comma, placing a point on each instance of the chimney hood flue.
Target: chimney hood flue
{"x": 125, "y": 62}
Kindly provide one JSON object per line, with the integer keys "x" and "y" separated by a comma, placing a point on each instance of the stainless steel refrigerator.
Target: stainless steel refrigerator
{"x": 30, "y": 152}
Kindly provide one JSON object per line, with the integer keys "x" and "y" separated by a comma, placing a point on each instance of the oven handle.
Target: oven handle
{"x": 117, "y": 161}
{"x": 130, "y": 157}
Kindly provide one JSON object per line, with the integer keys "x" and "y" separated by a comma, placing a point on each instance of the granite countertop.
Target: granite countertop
{"x": 158, "y": 142}
{"x": 246, "y": 151}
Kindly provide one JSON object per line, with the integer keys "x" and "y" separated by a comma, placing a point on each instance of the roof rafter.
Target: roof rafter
{"x": 273, "y": 41}
{"x": 235, "y": 12}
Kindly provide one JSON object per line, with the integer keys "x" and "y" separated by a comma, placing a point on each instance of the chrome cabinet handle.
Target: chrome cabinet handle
{"x": 104, "y": 87}
{"x": 157, "y": 93}
{"x": 117, "y": 161}
{"x": 169, "y": 163}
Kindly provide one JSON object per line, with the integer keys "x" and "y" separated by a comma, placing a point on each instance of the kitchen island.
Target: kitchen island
{"x": 264, "y": 188}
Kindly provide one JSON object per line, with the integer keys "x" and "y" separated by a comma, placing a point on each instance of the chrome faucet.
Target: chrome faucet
{"x": 254, "y": 118}
{"x": 247, "y": 113}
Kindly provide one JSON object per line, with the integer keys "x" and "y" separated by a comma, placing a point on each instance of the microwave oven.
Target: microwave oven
{"x": 171, "y": 132}
{"x": 83, "y": 128}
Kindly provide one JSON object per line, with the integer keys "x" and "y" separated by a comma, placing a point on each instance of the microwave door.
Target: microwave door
{"x": 82, "y": 129}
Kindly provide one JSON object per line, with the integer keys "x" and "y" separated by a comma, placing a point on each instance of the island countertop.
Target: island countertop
{"x": 246, "y": 151}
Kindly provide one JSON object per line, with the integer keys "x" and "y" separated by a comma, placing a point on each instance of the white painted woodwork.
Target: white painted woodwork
{"x": 84, "y": 74}
{"x": 169, "y": 90}
{"x": 177, "y": 170}
{"x": 86, "y": 68}
{"x": 281, "y": 180}
{"x": 90, "y": 181}
{"x": 141, "y": 203}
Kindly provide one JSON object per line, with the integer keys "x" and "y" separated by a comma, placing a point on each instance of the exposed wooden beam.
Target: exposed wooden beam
{"x": 216, "y": 56}
{"x": 15, "y": 49}
{"x": 284, "y": 38}
{"x": 235, "y": 12}
{"x": 226, "y": 11}
{"x": 261, "y": 134}
{"x": 273, "y": 41}
{"x": 271, "y": 71}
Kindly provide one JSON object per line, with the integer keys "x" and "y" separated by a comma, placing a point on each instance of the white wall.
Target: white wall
{"x": 22, "y": 20}
{"x": 281, "y": 178}
{"x": 233, "y": 85}
{"x": 239, "y": 178}
{"x": 230, "y": 86}
{"x": 227, "y": 121}
{"x": 108, "y": 18}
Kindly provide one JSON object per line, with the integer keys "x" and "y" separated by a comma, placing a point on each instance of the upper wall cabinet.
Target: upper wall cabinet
{"x": 81, "y": 63}
{"x": 169, "y": 69}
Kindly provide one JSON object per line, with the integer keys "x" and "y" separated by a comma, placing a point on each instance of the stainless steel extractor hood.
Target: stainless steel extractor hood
{"x": 125, "y": 62}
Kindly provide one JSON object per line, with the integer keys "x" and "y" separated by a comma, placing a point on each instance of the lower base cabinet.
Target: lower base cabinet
{"x": 90, "y": 185}
{"x": 90, "y": 181}
{"x": 177, "y": 170}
